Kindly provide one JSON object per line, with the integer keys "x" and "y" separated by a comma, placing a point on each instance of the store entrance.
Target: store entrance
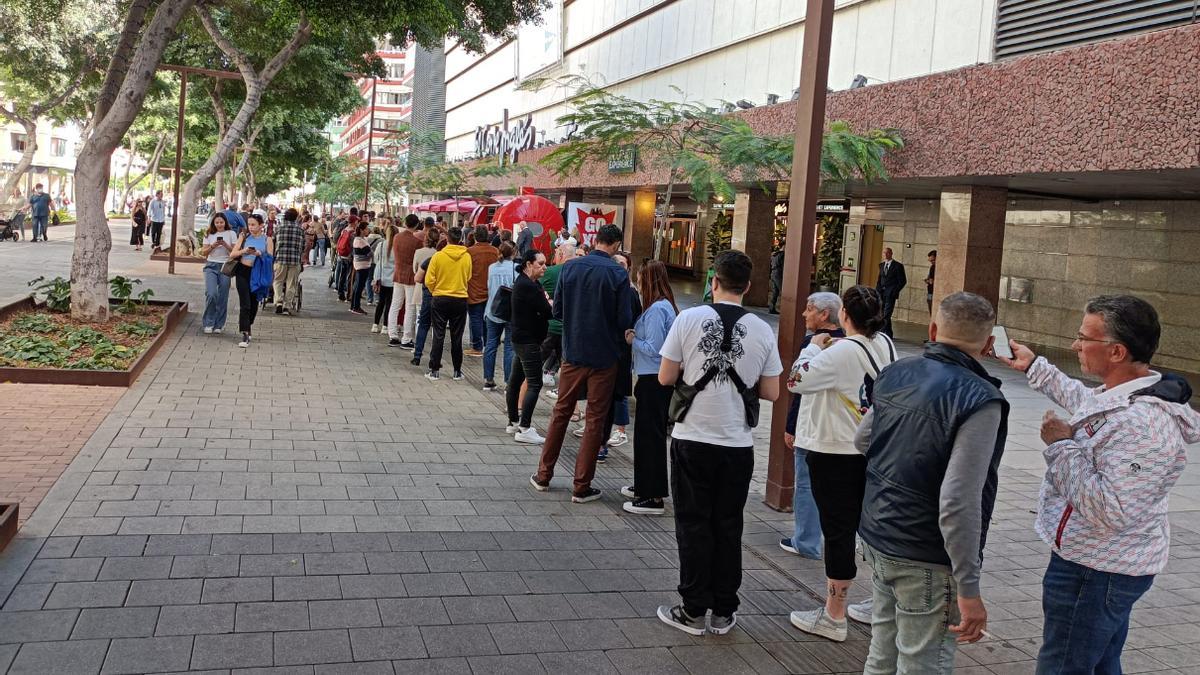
{"x": 872, "y": 253}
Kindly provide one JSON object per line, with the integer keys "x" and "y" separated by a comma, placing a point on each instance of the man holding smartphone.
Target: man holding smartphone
{"x": 1109, "y": 470}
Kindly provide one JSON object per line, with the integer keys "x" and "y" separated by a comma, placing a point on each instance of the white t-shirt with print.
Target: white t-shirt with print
{"x": 717, "y": 415}
{"x": 217, "y": 253}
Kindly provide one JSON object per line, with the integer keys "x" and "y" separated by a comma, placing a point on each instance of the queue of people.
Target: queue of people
{"x": 897, "y": 460}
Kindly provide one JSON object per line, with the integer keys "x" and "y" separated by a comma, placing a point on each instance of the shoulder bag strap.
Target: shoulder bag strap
{"x": 874, "y": 365}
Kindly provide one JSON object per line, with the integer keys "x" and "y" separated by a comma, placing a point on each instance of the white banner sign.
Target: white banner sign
{"x": 587, "y": 219}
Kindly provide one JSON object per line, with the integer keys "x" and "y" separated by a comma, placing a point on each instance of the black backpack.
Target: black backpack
{"x": 684, "y": 394}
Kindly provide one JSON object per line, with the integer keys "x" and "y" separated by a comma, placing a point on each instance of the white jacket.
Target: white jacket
{"x": 831, "y": 383}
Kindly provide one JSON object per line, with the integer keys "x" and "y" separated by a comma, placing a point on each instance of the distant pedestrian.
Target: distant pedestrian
{"x": 483, "y": 254}
{"x": 501, "y": 274}
{"x": 892, "y": 281}
{"x": 361, "y": 262}
{"x": 776, "y": 281}
{"x": 254, "y": 242}
{"x": 218, "y": 242}
{"x": 447, "y": 277}
{"x": 320, "y": 233}
{"x": 727, "y": 359}
{"x": 1110, "y": 468}
{"x": 933, "y": 440}
{"x": 932, "y": 258}
{"x": 552, "y": 347}
{"x": 424, "y": 309}
{"x": 137, "y": 238}
{"x": 157, "y": 211}
{"x": 407, "y": 294}
{"x": 289, "y": 252}
{"x": 40, "y": 205}
{"x": 383, "y": 280}
{"x": 530, "y": 318}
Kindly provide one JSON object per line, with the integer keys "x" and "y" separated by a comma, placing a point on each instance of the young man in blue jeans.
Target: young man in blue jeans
{"x": 933, "y": 439}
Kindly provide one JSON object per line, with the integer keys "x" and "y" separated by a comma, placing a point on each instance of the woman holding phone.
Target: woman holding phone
{"x": 253, "y": 243}
{"x": 217, "y": 244}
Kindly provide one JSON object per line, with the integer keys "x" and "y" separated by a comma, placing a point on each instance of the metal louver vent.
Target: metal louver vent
{"x": 879, "y": 206}
{"x": 1031, "y": 26}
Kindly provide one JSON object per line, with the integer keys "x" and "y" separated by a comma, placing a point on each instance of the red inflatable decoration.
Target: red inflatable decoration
{"x": 539, "y": 214}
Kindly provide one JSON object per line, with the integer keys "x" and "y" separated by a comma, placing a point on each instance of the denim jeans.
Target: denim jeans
{"x": 424, "y": 320}
{"x": 216, "y": 296}
{"x": 475, "y": 320}
{"x": 806, "y": 532}
{"x": 342, "y": 277}
{"x": 370, "y": 285}
{"x": 1086, "y": 618}
{"x": 39, "y": 227}
{"x": 494, "y": 330}
{"x": 914, "y": 606}
{"x": 620, "y": 412}
{"x": 319, "y": 250}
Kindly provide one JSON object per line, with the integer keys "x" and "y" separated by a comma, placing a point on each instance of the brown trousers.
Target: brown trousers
{"x": 599, "y": 382}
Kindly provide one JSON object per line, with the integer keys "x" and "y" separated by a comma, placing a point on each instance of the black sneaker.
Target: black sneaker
{"x": 279, "y": 309}
{"x": 407, "y": 345}
{"x": 645, "y": 507}
{"x": 589, "y": 495}
{"x": 457, "y": 375}
{"x": 394, "y": 342}
{"x": 415, "y": 362}
{"x": 489, "y": 386}
{"x": 433, "y": 376}
{"x": 721, "y": 625}
{"x": 677, "y": 618}
{"x": 539, "y": 485}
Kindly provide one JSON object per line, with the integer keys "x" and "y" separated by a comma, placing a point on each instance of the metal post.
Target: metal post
{"x": 370, "y": 139}
{"x": 801, "y": 232}
{"x": 178, "y": 164}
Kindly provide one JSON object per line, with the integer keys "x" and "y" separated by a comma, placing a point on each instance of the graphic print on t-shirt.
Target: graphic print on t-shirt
{"x": 710, "y": 346}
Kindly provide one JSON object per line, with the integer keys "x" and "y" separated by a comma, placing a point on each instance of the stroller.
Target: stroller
{"x": 11, "y": 229}
{"x": 269, "y": 300}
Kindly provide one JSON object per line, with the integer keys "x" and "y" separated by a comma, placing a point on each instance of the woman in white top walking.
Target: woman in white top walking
{"x": 218, "y": 242}
{"x": 835, "y": 377}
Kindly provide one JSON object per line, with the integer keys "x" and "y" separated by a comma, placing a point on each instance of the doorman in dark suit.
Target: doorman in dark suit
{"x": 892, "y": 280}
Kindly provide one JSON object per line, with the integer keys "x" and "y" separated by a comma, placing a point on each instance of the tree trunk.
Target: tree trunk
{"x": 660, "y": 232}
{"x": 251, "y": 185}
{"x": 219, "y": 189}
{"x": 12, "y": 188}
{"x": 154, "y": 162}
{"x": 132, "y": 70}
{"x": 255, "y": 83}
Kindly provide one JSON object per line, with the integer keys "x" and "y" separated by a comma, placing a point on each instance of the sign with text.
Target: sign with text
{"x": 623, "y": 160}
{"x": 587, "y": 219}
{"x": 500, "y": 141}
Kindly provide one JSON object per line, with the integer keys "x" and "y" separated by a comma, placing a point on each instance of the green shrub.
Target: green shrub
{"x": 56, "y": 292}
{"x": 35, "y": 323}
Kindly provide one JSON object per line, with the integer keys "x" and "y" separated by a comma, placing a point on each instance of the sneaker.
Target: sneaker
{"x": 374, "y": 328}
{"x": 530, "y": 436}
{"x": 617, "y": 439}
{"x": 473, "y": 352}
{"x": 218, "y": 331}
{"x": 786, "y": 544}
{"x": 358, "y": 311}
{"x": 645, "y": 507}
{"x": 589, "y": 495}
{"x": 415, "y": 361}
{"x": 817, "y": 622}
{"x": 602, "y": 455}
{"x": 208, "y": 330}
{"x": 547, "y": 380}
{"x": 511, "y": 428}
{"x": 721, "y": 625}
{"x": 489, "y": 386}
{"x": 578, "y": 431}
{"x": 627, "y": 491}
{"x": 677, "y": 618}
{"x": 457, "y": 375}
{"x": 245, "y": 341}
{"x": 433, "y": 376}
{"x": 552, "y": 393}
{"x": 861, "y": 611}
{"x": 393, "y": 342}
{"x": 406, "y": 345}
{"x": 279, "y": 309}
{"x": 538, "y": 485}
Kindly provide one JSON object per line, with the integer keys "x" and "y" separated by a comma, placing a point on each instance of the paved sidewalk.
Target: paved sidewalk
{"x": 313, "y": 504}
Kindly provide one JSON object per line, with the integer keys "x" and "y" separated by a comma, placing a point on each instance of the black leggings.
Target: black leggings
{"x": 527, "y": 368}
{"x": 382, "y": 303}
{"x": 838, "y": 483}
{"x": 247, "y": 304}
{"x": 650, "y": 437}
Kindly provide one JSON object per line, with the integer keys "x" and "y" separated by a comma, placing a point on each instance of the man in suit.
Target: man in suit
{"x": 892, "y": 280}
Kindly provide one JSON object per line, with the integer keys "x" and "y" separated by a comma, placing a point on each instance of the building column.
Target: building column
{"x": 970, "y": 241}
{"x": 754, "y": 233}
{"x": 639, "y": 225}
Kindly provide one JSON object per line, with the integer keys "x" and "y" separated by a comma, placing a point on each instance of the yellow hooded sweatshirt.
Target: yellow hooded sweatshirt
{"x": 448, "y": 273}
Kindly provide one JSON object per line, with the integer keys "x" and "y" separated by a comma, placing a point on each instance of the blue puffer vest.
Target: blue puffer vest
{"x": 919, "y": 404}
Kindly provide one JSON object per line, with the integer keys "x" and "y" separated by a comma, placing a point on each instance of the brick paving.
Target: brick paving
{"x": 44, "y": 428}
{"x": 313, "y": 505}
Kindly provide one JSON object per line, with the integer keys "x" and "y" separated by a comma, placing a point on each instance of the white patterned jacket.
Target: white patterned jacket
{"x": 1103, "y": 502}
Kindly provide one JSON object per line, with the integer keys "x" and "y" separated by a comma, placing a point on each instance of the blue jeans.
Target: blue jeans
{"x": 806, "y": 534}
{"x": 620, "y": 412}
{"x": 39, "y": 227}
{"x": 371, "y": 286}
{"x": 475, "y": 321}
{"x": 494, "y": 330}
{"x": 342, "y": 277}
{"x": 216, "y": 296}
{"x": 914, "y": 606}
{"x": 319, "y": 249}
{"x": 1086, "y": 618}
{"x": 424, "y": 319}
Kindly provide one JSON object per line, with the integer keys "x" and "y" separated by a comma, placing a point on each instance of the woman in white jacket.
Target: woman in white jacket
{"x": 833, "y": 376}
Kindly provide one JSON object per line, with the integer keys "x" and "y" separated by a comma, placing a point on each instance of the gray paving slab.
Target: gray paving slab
{"x": 76, "y": 656}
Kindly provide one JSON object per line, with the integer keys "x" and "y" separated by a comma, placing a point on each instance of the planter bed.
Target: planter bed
{"x": 164, "y": 256}
{"x": 141, "y": 348}
{"x": 8, "y": 522}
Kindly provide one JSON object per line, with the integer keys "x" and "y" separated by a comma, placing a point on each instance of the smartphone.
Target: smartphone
{"x": 1000, "y": 347}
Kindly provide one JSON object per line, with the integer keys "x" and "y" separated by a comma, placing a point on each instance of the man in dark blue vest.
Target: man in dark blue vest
{"x": 933, "y": 440}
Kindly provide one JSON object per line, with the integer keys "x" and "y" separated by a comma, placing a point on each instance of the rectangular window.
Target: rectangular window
{"x": 393, "y": 98}
{"x": 58, "y": 147}
{"x": 395, "y": 71}
{"x": 18, "y": 142}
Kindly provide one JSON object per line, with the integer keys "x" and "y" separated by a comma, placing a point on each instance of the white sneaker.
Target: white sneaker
{"x": 627, "y": 491}
{"x": 547, "y": 380}
{"x": 617, "y": 439}
{"x": 861, "y": 611}
{"x": 578, "y": 431}
{"x": 218, "y": 331}
{"x": 552, "y": 393}
{"x": 208, "y": 330}
{"x": 817, "y": 622}
{"x": 374, "y": 328}
{"x": 511, "y": 428}
{"x": 529, "y": 436}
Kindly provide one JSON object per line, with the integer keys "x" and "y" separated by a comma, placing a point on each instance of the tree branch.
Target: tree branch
{"x": 89, "y": 64}
{"x": 281, "y": 59}
{"x": 119, "y": 64}
{"x": 239, "y": 58}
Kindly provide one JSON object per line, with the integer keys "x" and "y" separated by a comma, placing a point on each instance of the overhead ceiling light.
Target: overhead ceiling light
{"x": 744, "y": 104}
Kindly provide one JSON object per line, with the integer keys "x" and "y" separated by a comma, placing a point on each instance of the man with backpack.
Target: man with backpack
{"x": 721, "y": 360}
{"x": 344, "y": 248}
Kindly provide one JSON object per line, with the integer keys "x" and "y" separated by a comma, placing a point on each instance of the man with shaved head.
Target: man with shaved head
{"x": 933, "y": 440}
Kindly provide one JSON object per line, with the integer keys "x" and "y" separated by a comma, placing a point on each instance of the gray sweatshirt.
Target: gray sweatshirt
{"x": 960, "y": 503}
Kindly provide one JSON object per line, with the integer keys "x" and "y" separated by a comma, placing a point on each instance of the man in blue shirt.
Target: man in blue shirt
{"x": 39, "y": 211}
{"x": 592, "y": 301}
{"x": 158, "y": 216}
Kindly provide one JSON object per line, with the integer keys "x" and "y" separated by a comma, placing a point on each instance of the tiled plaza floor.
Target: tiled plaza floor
{"x": 314, "y": 505}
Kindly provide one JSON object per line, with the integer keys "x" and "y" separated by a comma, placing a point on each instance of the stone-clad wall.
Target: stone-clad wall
{"x": 1071, "y": 251}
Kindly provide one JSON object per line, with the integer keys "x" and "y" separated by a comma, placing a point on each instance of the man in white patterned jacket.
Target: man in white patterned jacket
{"x": 1109, "y": 469}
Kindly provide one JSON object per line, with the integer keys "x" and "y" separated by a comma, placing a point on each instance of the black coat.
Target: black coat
{"x": 892, "y": 282}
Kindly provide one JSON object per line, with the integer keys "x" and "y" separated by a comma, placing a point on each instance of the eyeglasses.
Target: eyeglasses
{"x": 1080, "y": 337}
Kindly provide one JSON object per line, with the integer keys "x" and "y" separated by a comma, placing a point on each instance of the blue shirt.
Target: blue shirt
{"x": 40, "y": 205}
{"x": 650, "y": 332}
{"x": 259, "y": 243}
{"x": 500, "y": 273}
{"x": 592, "y": 302}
